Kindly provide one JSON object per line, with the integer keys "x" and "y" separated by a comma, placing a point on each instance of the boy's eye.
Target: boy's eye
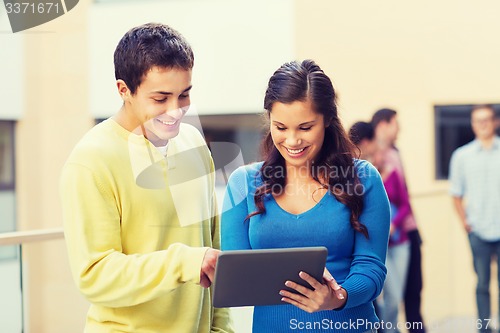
{"x": 184, "y": 96}
{"x": 159, "y": 100}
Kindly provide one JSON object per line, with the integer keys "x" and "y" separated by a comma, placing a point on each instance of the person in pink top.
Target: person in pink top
{"x": 404, "y": 280}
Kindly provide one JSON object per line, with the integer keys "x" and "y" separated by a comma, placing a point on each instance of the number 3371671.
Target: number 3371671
{"x": 32, "y": 8}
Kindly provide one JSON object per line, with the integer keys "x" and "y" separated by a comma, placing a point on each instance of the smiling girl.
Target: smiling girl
{"x": 307, "y": 193}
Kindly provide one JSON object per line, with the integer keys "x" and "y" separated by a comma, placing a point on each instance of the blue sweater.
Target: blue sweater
{"x": 357, "y": 263}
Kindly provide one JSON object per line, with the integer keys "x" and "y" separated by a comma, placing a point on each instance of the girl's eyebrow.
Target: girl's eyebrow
{"x": 312, "y": 122}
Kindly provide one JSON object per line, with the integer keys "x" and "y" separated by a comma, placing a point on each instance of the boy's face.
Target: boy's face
{"x": 160, "y": 102}
{"x": 393, "y": 129}
{"x": 483, "y": 123}
{"x": 389, "y": 130}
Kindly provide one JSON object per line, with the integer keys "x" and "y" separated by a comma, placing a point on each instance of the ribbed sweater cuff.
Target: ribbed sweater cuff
{"x": 192, "y": 258}
{"x": 359, "y": 290}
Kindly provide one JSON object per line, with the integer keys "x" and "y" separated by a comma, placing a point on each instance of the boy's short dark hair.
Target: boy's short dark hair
{"x": 382, "y": 115}
{"x": 360, "y": 131}
{"x": 147, "y": 46}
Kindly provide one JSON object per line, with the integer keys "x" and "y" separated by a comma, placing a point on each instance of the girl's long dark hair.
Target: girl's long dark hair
{"x": 334, "y": 166}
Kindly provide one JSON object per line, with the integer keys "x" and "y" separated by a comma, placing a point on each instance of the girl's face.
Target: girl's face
{"x": 297, "y": 131}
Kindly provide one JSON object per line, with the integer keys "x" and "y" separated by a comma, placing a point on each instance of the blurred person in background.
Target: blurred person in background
{"x": 398, "y": 252}
{"x": 475, "y": 188}
{"x": 363, "y": 136}
{"x": 405, "y": 233}
{"x": 142, "y": 259}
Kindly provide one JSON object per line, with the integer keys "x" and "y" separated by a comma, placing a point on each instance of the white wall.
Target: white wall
{"x": 11, "y": 70}
{"x": 238, "y": 45}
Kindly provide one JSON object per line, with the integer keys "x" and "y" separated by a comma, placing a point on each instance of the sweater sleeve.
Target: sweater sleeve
{"x": 221, "y": 322}
{"x": 234, "y": 226}
{"x": 103, "y": 273}
{"x": 367, "y": 273}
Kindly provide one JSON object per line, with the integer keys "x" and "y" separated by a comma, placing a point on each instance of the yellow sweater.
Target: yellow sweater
{"x": 137, "y": 226}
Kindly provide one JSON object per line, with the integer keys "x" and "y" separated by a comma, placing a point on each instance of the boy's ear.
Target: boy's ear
{"x": 123, "y": 89}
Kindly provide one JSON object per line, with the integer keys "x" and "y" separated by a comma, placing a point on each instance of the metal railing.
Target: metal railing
{"x": 12, "y": 275}
{"x": 20, "y": 237}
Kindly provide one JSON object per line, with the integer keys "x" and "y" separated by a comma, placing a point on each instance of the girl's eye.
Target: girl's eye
{"x": 280, "y": 128}
{"x": 305, "y": 128}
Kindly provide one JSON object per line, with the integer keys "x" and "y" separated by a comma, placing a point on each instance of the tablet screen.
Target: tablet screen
{"x": 255, "y": 277}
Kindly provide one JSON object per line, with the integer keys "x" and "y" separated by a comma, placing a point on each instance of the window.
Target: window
{"x": 7, "y": 186}
{"x": 228, "y": 136}
{"x": 7, "y": 178}
{"x": 453, "y": 130}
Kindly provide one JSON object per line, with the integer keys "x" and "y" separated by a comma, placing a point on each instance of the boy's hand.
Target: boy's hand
{"x": 208, "y": 267}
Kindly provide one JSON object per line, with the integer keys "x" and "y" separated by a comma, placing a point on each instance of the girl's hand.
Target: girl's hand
{"x": 324, "y": 296}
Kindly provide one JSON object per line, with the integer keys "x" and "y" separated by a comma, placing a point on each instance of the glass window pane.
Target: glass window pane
{"x": 7, "y": 222}
{"x": 11, "y": 314}
{"x": 453, "y": 130}
{"x": 6, "y": 154}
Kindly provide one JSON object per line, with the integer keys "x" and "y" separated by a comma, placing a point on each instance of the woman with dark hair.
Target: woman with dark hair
{"x": 311, "y": 191}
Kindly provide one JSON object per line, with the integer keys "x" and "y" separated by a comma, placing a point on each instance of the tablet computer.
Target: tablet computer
{"x": 255, "y": 277}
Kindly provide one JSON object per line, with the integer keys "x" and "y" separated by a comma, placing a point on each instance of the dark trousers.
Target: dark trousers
{"x": 414, "y": 285}
{"x": 482, "y": 253}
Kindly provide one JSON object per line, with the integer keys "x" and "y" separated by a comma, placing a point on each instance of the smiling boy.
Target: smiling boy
{"x": 136, "y": 253}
